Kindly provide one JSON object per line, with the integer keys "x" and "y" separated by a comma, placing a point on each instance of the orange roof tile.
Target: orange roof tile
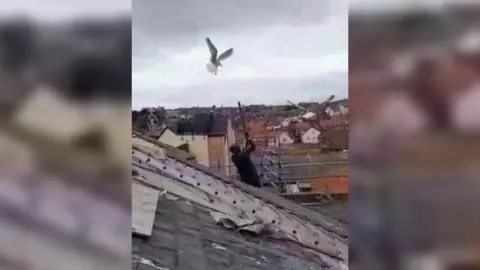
{"x": 256, "y": 127}
{"x": 333, "y": 184}
{"x": 272, "y": 133}
{"x": 335, "y": 120}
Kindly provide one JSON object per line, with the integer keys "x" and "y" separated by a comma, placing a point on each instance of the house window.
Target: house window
{"x": 305, "y": 189}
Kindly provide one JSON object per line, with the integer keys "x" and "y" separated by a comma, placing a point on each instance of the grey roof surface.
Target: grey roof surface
{"x": 186, "y": 237}
{"x": 204, "y": 221}
{"x": 335, "y": 105}
{"x": 139, "y": 118}
{"x": 48, "y": 224}
{"x": 337, "y": 208}
{"x": 201, "y": 124}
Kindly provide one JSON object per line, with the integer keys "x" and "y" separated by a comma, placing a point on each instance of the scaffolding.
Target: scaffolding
{"x": 275, "y": 171}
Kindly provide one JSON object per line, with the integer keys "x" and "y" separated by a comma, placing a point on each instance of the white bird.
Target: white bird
{"x": 215, "y": 62}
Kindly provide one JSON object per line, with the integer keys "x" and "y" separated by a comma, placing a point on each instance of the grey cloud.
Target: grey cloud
{"x": 58, "y": 10}
{"x": 157, "y": 21}
{"x": 176, "y": 17}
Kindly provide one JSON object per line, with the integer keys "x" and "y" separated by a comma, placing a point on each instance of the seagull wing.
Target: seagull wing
{"x": 226, "y": 54}
{"x": 213, "y": 50}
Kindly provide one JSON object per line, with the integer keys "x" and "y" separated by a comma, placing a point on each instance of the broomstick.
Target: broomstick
{"x": 242, "y": 117}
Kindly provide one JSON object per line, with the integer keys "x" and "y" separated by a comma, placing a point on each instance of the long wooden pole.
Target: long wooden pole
{"x": 242, "y": 118}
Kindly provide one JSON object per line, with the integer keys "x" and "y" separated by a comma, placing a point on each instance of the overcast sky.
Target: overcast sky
{"x": 402, "y": 5}
{"x": 54, "y": 10}
{"x": 284, "y": 49}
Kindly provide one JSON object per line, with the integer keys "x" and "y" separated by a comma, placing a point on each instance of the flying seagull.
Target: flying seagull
{"x": 215, "y": 62}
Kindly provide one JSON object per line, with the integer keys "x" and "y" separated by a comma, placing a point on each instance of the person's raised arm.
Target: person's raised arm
{"x": 249, "y": 147}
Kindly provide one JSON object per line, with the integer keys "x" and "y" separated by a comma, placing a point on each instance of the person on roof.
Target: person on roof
{"x": 245, "y": 167}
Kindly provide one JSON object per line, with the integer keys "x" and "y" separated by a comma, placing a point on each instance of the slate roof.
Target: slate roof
{"x": 48, "y": 222}
{"x": 140, "y": 118}
{"x": 201, "y": 124}
{"x": 335, "y": 208}
{"x": 343, "y": 102}
{"x": 170, "y": 151}
{"x": 205, "y": 221}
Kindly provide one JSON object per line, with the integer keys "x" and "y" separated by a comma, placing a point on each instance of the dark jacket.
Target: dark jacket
{"x": 245, "y": 167}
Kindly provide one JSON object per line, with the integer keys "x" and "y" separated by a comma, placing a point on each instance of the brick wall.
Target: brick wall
{"x": 336, "y": 184}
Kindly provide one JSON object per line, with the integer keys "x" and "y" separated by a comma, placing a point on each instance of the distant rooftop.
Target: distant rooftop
{"x": 203, "y": 124}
